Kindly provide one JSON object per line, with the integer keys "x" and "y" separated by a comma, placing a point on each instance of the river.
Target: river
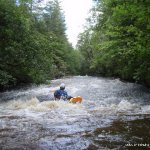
{"x": 113, "y": 115}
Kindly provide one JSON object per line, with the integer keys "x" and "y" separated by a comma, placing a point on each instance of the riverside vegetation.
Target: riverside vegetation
{"x": 116, "y": 40}
{"x": 34, "y": 46}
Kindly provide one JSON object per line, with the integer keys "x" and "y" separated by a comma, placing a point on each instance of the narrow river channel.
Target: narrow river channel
{"x": 113, "y": 115}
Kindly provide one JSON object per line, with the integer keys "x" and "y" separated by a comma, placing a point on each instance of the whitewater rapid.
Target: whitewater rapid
{"x": 31, "y": 119}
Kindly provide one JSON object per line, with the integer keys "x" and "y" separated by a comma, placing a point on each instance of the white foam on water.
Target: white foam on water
{"x": 36, "y": 91}
{"x": 123, "y": 106}
{"x": 33, "y": 91}
{"x": 64, "y": 107}
{"x": 72, "y": 90}
{"x": 126, "y": 105}
{"x": 94, "y": 85}
{"x": 34, "y": 108}
{"x": 145, "y": 109}
{"x": 20, "y": 104}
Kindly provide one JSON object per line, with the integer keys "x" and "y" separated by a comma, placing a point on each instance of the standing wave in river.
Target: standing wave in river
{"x": 113, "y": 115}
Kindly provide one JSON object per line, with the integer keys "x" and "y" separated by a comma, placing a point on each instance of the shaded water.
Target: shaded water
{"x": 113, "y": 115}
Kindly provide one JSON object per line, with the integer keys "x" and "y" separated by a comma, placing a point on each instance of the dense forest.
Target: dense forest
{"x": 116, "y": 41}
{"x": 34, "y": 46}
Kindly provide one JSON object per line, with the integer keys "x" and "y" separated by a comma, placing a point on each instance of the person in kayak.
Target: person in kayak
{"x": 61, "y": 93}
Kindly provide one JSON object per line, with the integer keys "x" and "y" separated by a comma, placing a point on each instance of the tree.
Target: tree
{"x": 120, "y": 40}
{"x": 34, "y": 46}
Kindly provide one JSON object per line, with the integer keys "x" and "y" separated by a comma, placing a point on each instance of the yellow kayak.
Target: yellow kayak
{"x": 77, "y": 99}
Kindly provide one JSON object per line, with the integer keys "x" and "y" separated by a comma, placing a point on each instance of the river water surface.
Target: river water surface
{"x": 113, "y": 115}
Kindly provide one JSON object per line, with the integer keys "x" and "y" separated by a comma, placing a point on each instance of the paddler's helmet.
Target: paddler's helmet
{"x": 62, "y": 86}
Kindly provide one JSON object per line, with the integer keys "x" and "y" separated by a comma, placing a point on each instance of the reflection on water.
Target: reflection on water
{"x": 121, "y": 133}
{"x": 112, "y": 115}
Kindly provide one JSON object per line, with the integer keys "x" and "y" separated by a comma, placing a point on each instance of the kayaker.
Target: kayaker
{"x": 61, "y": 93}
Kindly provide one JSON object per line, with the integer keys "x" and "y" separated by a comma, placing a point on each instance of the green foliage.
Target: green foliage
{"x": 85, "y": 47}
{"x": 33, "y": 46}
{"x": 120, "y": 40}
